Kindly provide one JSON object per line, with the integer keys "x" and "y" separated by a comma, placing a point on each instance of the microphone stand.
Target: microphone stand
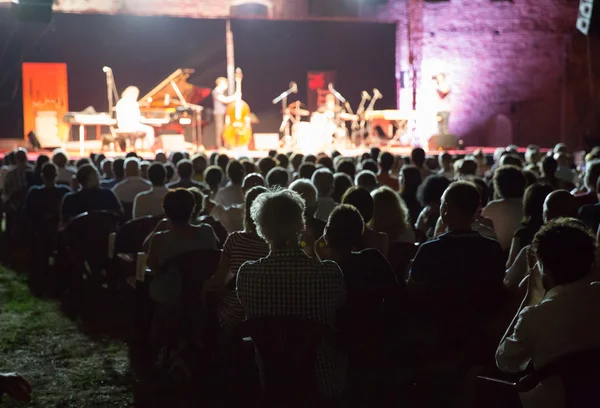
{"x": 111, "y": 91}
{"x": 285, "y": 123}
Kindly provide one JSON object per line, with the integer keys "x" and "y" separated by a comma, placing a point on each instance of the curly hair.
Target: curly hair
{"x": 279, "y": 217}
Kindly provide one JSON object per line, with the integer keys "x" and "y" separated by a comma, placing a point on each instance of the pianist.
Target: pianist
{"x": 128, "y": 116}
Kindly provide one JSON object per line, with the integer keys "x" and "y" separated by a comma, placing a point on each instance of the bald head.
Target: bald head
{"x": 560, "y": 203}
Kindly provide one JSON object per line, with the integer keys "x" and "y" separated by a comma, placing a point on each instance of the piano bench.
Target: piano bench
{"x": 123, "y": 136}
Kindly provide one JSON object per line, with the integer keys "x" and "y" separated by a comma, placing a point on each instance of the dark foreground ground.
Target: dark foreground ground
{"x": 66, "y": 367}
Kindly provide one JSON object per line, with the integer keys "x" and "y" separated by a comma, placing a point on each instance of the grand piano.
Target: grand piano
{"x": 172, "y": 107}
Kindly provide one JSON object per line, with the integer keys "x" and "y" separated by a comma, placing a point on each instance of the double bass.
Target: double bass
{"x": 238, "y": 129}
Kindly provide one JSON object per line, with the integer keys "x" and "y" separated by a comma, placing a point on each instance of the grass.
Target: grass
{"x": 65, "y": 367}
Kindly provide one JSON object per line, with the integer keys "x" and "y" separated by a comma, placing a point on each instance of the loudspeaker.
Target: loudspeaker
{"x": 37, "y": 11}
{"x": 587, "y": 19}
{"x": 445, "y": 142}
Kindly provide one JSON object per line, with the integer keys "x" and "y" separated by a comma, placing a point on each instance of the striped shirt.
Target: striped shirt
{"x": 241, "y": 247}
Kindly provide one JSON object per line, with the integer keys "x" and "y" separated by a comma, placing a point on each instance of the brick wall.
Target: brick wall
{"x": 500, "y": 57}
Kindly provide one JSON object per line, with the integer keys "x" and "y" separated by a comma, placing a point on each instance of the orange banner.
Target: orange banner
{"x": 45, "y": 101}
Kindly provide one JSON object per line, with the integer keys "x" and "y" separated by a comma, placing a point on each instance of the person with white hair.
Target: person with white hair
{"x": 289, "y": 283}
{"x": 128, "y": 115}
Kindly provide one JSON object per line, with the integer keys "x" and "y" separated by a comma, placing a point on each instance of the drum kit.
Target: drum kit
{"x": 332, "y": 126}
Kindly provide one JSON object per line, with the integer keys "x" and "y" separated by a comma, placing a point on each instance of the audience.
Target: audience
{"x": 367, "y": 180}
{"x": 417, "y": 157}
{"x": 306, "y": 170}
{"x": 18, "y": 179}
{"x": 131, "y": 186}
{"x": 278, "y": 177}
{"x": 558, "y": 314}
{"x": 507, "y": 211}
{"x": 118, "y": 172}
{"x": 430, "y": 197}
{"x": 385, "y": 178}
{"x": 346, "y": 165}
{"x": 90, "y": 197}
{"x": 185, "y": 172}
{"x": 65, "y": 172}
{"x": 588, "y": 194}
{"x": 232, "y": 192}
{"x": 446, "y": 167}
{"x": 341, "y": 183}
{"x": 361, "y": 199}
{"x": 323, "y": 180}
{"x": 150, "y": 202}
{"x": 174, "y": 236}
{"x": 314, "y": 226}
{"x": 390, "y": 216}
{"x": 557, "y": 204}
{"x": 213, "y": 176}
{"x": 200, "y": 163}
{"x": 410, "y": 180}
{"x": 288, "y": 283}
{"x": 36, "y": 177}
{"x": 533, "y": 218}
{"x": 43, "y": 202}
{"x": 265, "y": 165}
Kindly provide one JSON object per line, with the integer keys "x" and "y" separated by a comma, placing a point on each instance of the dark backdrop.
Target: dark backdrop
{"x": 144, "y": 50}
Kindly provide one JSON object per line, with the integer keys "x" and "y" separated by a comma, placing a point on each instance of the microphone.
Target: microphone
{"x": 365, "y": 95}
{"x": 377, "y": 94}
{"x": 294, "y": 87}
{"x": 336, "y": 94}
{"x": 106, "y": 69}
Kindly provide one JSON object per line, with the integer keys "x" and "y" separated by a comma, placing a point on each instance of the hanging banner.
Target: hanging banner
{"x": 318, "y": 82}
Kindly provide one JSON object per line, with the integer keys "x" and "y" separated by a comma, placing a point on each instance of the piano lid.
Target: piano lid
{"x": 165, "y": 95}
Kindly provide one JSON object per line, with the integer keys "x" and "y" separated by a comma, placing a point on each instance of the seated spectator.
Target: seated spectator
{"x": 107, "y": 169}
{"x": 160, "y": 157}
{"x": 232, "y": 192}
{"x": 278, "y": 177}
{"x": 430, "y": 197}
{"x": 371, "y": 165}
{"x": 240, "y": 247}
{"x": 482, "y": 165}
{"x": 314, "y": 226}
{"x": 549, "y": 166}
{"x": 446, "y": 167}
{"x": 133, "y": 184}
{"x": 367, "y": 180}
{"x": 283, "y": 161}
{"x": 174, "y": 236}
{"x": 533, "y": 159}
{"x": 564, "y": 171}
{"x": 325, "y": 161}
{"x": 454, "y": 293}
{"x": 9, "y": 164}
{"x": 200, "y": 216}
{"x": 346, "y": 165}
{"x": 507, "y": 211}
{"x": 371, "y": 286}
{"x": 410, "y": 180}
{"x": 530, "y": 178}
{"x": 361, "y": 199}
{"x": 144, "y": 165}
{"x": 559, "y": 313}
{"x": 390, "y": 215}
{"x": 288, "y": 283}
{"x": 322, "y": 179}
{"x": 90, "y": 198}
{"x": 385, "y": 178}
{"x": 296, "y": 160}
{"x": 557, "y": 204}
{"x": 213, "y": 176}
{"x": 482, "y": 225}
{"x": 265, "y": 165}
{"x": 200, "y": 163}
{"x": 150, "y": 202}
{"x": 65, "y": 172}
{"x": 232, "y": 217}
{"x": 417, "y": 158}
{"x": 44, "y": 201}
{"x": 222, "y": 162}
{"x": 185, "y": 171}
{"x": 341, "y": 183}
{"x": 170, "y": 172}
{"x": 310, "y": 158}
{"x": 511, "y": 160}
{"x": 18, "y": 179}
{"x": 467, "y": 169}
{"x": 176, "y": 157}
{"x": 590, "y": 214}
{"x": 249, "y": 166}
{"x": 588, "y": 194}
{"x": 533, "y": 219}
{"x": 306, "y": 170}
{"x": 36, "y": 177}
{"x": 118, "y": 171}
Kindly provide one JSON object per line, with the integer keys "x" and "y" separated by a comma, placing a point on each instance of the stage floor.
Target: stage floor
{"x": 93, "y": 146}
